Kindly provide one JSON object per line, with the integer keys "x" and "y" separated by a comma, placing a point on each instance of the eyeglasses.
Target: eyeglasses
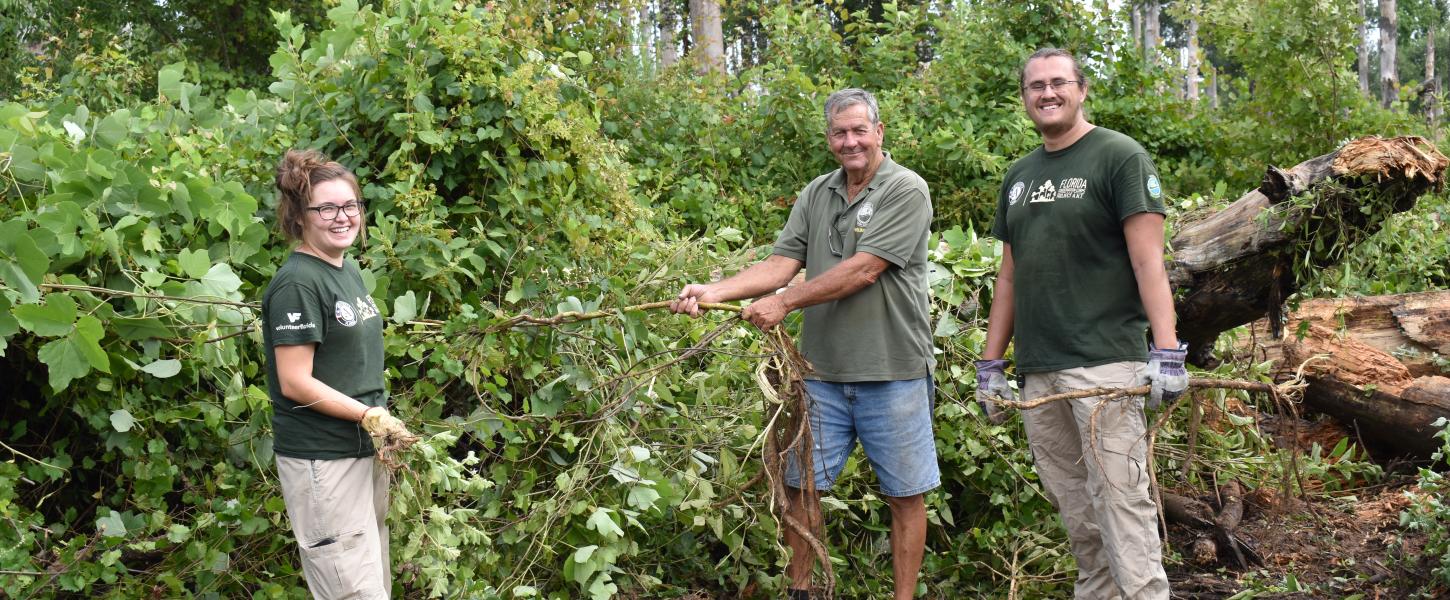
{"x": 1037, "y": 87}
{"x": 831, "y": 242}
{"x": 328, "y": 212}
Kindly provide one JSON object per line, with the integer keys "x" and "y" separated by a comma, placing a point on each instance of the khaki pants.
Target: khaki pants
{"x": 1099, "y": 486}
{"x": 338, "y": 510}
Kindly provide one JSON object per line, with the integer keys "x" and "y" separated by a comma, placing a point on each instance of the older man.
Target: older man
{"x": 1082, "y": 277}
{"x": 860, "y": 231}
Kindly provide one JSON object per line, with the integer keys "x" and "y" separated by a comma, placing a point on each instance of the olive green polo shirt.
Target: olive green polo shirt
{"x": 883, "y": 331}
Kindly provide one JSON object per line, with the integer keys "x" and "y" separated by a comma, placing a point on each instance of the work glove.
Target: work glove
{"x": 1166, "y": 375}
{"x": 992, "y": 384}
{"x": 386, "y": 430}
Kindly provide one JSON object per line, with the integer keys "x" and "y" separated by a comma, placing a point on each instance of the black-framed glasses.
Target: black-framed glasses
{"x": 328, "y": 212}
{"x": 1037, "y": 87}
{"x": 831, "y": 241}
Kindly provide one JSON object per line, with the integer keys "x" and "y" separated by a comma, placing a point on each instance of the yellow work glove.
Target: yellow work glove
{"x": 388, "y": 432}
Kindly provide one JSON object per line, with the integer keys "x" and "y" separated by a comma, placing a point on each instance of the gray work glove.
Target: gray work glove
{"x": 991, "y": 384}
{"x": 1166, "y": 375}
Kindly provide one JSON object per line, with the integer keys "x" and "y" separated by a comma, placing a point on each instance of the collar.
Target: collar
{"x": 837, "y": 182}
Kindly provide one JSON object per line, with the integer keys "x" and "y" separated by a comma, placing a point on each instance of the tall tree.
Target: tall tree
{"x": 1152, "y": 30}
{"x": 1389, "y": 34}
{"x": 1191, "y": 76}
{"x": 1429, "y": 89}
{"x": 1363, "y": 48}
{"x": 708, "y": 35}
{"x": 668, "y": 20}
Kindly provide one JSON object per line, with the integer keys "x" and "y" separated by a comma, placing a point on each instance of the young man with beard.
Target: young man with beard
{"x": 1082, "y": 276}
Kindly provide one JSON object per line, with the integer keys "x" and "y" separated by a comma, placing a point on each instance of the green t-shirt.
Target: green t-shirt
{"x": 881, "y": 332}
{"x": 1076, "y": 298}
{"x": 312, "y": 302}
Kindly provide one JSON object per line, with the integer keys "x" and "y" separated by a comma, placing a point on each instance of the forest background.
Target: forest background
{"x": 550, "y": 156}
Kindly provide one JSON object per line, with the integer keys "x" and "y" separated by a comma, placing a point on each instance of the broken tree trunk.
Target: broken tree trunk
{"x": 1238, "y": 264}
{"x": 1374, "y": 363}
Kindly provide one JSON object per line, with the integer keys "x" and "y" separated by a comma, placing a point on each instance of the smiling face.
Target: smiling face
{"x": 1055, "y": 110}
{"x": 855, "y": 141}
{"x": 330, "y": 238}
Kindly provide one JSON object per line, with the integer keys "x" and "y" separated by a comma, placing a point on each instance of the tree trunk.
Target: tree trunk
{"x": 1429, "y": 90}
{"x": 1212, "y": 86}
{"x": 1137, "y": 12}
{"x": 1363, "y": 49}
{"x": 1369, "y": 362}
{"x": 1191, "y": 79}
{"x": 706, "y": 30}
{"x": 669, "y": 25}
{"x": 1152, "y": 34}
{"x": 1389, "y": 32}
{"x": 1238, "y": 264}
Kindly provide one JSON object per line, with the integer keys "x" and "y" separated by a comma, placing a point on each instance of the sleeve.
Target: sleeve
{"x": 1136, "y": 187}
{"x": 999, "y": 222}
{"x": 295, "y": 315}
{"x": 791, "y": 243}
{"x": 898, "y": 224}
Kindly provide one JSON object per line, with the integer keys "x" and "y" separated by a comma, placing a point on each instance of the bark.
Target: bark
{"x": 1427, "y": 92}
{"x": 1152, "y": 34}
{"x": 1369, "y": 362}
{"x": 669, "y": 24}
{"x": 1389, "y": 33}
{"x": 1191, "y": 79}
{"x": 1363, "y": 49}
{"x": 1213, "y": 87}
{"x": 708, "y": 35}
{"x": 1239, "y": 264}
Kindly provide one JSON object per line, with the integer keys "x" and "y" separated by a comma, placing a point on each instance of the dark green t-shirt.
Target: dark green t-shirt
{"x": 312, "y": 302}
{"x": 882, "y": 332}
{"x": 1076, "y": 298}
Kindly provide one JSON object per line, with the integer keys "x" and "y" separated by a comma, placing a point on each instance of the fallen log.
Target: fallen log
{"x": 1238, "y": 264}
{"x": 1375, "y": 363}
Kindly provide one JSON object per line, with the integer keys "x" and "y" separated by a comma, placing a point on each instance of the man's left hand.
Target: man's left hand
{"x": 1166, "y": 374}
{"x": 766, "y": 312}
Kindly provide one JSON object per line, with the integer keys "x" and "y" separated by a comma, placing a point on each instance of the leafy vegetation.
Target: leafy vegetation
{"x": 524, "y": 158}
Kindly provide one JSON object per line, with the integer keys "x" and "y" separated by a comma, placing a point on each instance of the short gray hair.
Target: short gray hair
{"x": 844, "y": 99}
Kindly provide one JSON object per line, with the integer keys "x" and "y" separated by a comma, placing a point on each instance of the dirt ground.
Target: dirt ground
{"x": 1346, "y": 545}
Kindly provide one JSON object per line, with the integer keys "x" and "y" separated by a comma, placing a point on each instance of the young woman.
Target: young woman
{"x": 324, "y": 342}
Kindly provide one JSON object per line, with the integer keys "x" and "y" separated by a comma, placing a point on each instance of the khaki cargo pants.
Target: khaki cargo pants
{"x": 1101, "y": 490}
{"x": 338, "y": 510}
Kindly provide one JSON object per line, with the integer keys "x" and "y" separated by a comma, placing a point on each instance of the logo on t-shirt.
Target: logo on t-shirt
{"x": 863, "y": 216}
{"x": 343, "y": 311}
{"x": 292, "y": 317}
{"x": 1045, "y": 193}
{"x": 1015, "y": 193}
{"x": 365, "y": 308}
{"x": 1072, "y": 187}
{"x": 1154, "y": 189}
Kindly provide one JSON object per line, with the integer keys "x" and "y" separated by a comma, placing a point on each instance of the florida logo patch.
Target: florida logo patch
{"x": 1154, "y": 189}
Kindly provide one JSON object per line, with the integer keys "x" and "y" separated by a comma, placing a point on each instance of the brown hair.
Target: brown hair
{"x": 1082, "y": 80}
{"x": 296, "y": 174}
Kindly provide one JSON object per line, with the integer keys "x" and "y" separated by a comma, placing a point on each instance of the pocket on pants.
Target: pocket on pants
{"x": 341, "y": 567}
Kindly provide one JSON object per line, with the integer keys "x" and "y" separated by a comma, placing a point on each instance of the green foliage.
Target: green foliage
{"x": 1429, "y": 513}
{"x": 525, "y": 158}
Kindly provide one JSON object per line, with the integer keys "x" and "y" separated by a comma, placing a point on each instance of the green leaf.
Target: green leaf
{"x": 162, "y": 369}
{"x": 430, "y": 137}
{"x": 601, "y": 521}
{"x": 111, "y": 525}
{"x": 194, "y": 263}
{"x": 405, "y": 308}
{"x": 112, "y": 129}
{"x": 71, "y": 357}
{"x": 53, "y": 319}
{"x": 168, "y": 81}
{"x": 121, "y": 420}
{"x": 642, "y": 497}
{"x": 22, "y": 263}
{"x": 140, "y": 328}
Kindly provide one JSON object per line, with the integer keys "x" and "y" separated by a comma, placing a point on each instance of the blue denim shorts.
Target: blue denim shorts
{"x": 892, "y": 420}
